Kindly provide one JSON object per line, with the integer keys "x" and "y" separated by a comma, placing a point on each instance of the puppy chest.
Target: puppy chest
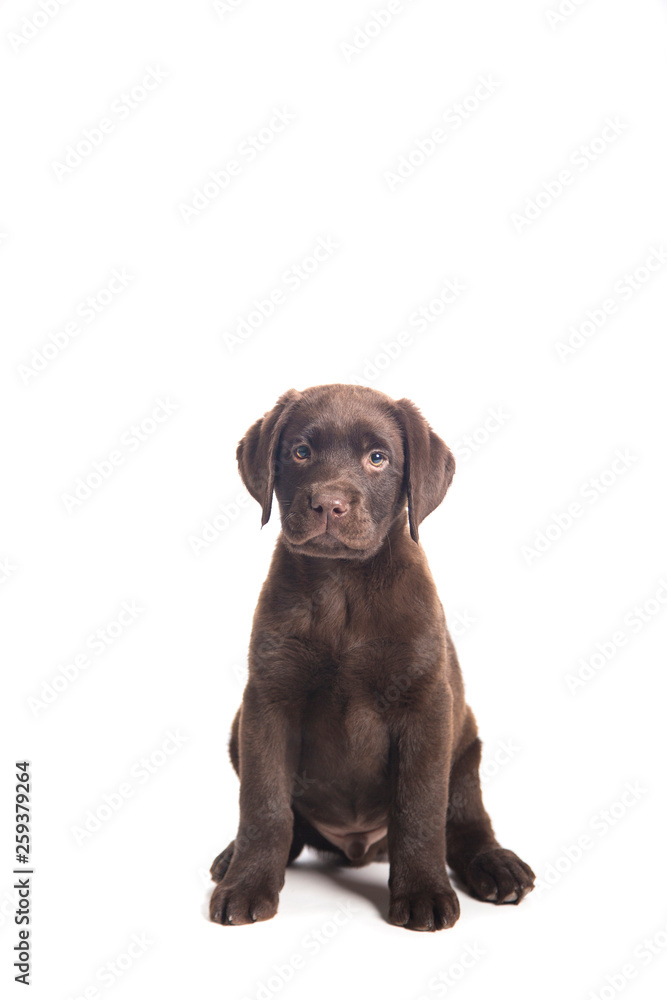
{"x": 343, "y": 737}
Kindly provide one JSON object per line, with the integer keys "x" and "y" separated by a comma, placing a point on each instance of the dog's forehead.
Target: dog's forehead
{"x": 335, "y": 415}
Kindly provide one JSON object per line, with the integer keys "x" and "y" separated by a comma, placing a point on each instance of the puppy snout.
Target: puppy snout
{"x": 329, "y": 505}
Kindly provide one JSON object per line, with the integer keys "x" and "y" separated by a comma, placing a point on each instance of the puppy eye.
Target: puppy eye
{"x": 301, "y": 452}
{"x": 376, "y": 458}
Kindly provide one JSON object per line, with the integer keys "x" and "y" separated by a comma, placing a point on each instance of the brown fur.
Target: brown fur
{"x": 354, "y": 719}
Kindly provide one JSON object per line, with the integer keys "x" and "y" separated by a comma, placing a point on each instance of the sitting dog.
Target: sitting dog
{"x": 354, "y": 735}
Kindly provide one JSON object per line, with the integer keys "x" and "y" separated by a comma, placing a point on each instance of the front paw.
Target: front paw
{"x": 427, "y": 910}
{"x": 499, "y": 876}
{"x": 242, "y": 903}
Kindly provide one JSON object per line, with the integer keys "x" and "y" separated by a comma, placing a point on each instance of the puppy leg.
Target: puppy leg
{"x": 223, "y": 860}
{"x": 255, "y": 865}
{"x": 422, "y": 898}
{"x": 487, "y": 870}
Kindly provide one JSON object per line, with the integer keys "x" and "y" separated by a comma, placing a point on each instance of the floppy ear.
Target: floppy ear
{"x": 258, "y": 452}
{"x": 429, "y": 465}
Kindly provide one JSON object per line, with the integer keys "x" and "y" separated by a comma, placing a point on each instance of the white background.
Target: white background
{"x": 531, "y": 617}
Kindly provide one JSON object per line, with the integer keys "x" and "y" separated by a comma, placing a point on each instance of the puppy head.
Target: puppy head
{"x": 343, "y": 461}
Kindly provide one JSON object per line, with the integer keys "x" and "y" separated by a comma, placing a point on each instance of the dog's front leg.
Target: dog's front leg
{"x": 268, "y": 758}
{"x": 422, "y": 897}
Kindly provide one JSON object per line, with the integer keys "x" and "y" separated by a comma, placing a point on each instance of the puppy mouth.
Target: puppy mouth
{"x": 324, "y": 538}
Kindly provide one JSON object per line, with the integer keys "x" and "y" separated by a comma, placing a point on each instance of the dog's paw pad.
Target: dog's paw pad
{"x": 499, "y": 876}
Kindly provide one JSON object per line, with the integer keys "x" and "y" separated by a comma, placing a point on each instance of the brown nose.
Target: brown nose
{"x": 329, "y": 505}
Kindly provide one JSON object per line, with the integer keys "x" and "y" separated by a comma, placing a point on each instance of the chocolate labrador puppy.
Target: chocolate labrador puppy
{"x": 354, "y": 735}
